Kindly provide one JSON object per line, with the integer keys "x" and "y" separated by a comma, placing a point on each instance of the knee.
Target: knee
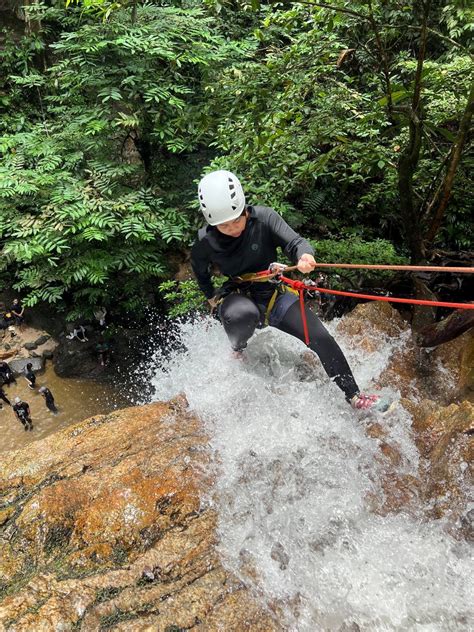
{"x": 239, "y": 309}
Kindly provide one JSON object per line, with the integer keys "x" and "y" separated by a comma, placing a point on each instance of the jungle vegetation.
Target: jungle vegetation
{"x": 352, "y": 119}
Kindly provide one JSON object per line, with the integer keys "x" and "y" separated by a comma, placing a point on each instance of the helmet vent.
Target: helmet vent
{"x": 203, "y": 205}
{"x": 232, "y": 195}
{"x": 231, "y": 186}
{"x": 234, "y": 207}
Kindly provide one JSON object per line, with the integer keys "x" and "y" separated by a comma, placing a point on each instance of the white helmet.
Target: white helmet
{"x": 221, "y": 197}
{"x": 17, "y": 400}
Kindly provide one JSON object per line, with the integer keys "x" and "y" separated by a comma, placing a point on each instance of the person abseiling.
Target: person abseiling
{"x": 22, "y": 411}
{"x": 30, "y": 377}
{"x": 242, "y": 239}
{"x": 48, "y": 398}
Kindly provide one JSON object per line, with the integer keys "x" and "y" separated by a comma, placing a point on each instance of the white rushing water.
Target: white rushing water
{"x": 294, "y": 473}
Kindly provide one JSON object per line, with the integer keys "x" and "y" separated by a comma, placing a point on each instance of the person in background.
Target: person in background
{"x": 22, "y": 411}
{"x": 18, "y": 312}
{"x": 100, "y": 314}
{"x": 103, "y": 348}
{"x": 78, "y": 332}
{"x": 9, "y": 322}
{"x": 6, "y": 374}
{"x": 30, "y": 377}
{"x": 48, "y": 398}
{"x": 3, "y": 396}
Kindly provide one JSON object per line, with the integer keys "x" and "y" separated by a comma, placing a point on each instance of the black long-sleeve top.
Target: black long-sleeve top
{"x": 254, "y": 250}
{"x": 22, "y": 409}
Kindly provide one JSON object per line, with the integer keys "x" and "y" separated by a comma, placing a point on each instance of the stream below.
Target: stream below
{"x": 75, "y": 399}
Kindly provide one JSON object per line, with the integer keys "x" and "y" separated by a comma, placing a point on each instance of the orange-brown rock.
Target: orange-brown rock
{"x": 368, "y": 322}
{"x": 105, "y": 525}
{"x": 466, "y": 371}
{"x": 4, "y": 355}
{"x": 442, "y": 374}
{"x": 444, "y": 437}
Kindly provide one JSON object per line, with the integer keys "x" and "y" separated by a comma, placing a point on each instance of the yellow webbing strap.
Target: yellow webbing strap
{"x": 270, "y": 306}
{"x": 280, "y": 290}
{"x": 252, "y": 277}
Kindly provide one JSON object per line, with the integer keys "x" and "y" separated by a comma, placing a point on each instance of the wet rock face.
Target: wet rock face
{"x": 444, "y": 374}
{"x": 368, "y": 322}
{"x": 75, "y": 359}
{"x": 437, "y": 387}
{"x": 445, "y": 440}
{"x": 105, "y": 525}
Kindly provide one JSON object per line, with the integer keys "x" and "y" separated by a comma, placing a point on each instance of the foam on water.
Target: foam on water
{"x": 295, "y": 471}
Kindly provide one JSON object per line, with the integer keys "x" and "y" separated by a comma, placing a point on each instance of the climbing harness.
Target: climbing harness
{"x": 274, "y": 274}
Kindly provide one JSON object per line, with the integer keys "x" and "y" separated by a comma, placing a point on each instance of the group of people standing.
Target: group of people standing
{"x": 19, "y": 407}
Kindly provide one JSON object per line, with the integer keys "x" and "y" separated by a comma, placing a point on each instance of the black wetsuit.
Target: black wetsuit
{"x": 49, "y": 400}
{"x": 6, "y": 374}
{"x": 240, "y": 313}
{"x": 16, "y": 310}
{"x": 3, "y": 396}
{"x": 30, "y": 377}
{"x": 22, "y": 411}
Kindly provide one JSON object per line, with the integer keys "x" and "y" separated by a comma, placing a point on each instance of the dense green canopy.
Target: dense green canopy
{"x": 350, "y": 118}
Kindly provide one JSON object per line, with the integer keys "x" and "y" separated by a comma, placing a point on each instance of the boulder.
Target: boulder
{"x": 105, "y": 524}
{"x": 364, "y": 326}
{"x": 30, "y": 346}
{"x": 444, "y": 374}
{"x": 73, "y": 358}
{"x": 42, "y": 339}
{"x": 18, "y": 365}
{"x": 7, "y": 353}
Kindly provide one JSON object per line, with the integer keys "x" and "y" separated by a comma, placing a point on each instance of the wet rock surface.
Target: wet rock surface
{"x": 444, "y": 374}
{"x": 105, "y": 526}
{"x": 25, "y": 342}
{"x": 437, "y": 389}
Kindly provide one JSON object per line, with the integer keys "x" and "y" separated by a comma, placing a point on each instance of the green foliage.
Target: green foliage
{"x": 310, "y": 112}
{"x": 111, "y": 109}
{"x": 185, "y": 297}
{"x": 356, "y": 250}
{"x": 86, "y": 212}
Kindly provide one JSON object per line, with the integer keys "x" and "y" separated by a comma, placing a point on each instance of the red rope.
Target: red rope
{"x": 303, "y": 317}
{"x": 300, "y": 286}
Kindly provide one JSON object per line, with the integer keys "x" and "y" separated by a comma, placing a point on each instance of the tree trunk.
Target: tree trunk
{"x": 410, "y": 156}
{"x": 444, "y": 191}
{"x": 451, "y": 327}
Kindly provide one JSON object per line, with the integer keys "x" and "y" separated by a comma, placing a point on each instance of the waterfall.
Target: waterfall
{"x": 295, "y": 472}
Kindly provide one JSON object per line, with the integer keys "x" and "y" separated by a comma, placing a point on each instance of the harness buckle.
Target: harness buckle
{"x": 277, "y": 268}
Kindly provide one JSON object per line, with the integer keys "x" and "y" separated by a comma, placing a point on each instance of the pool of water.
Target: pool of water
{"x": 75, "y": 399}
